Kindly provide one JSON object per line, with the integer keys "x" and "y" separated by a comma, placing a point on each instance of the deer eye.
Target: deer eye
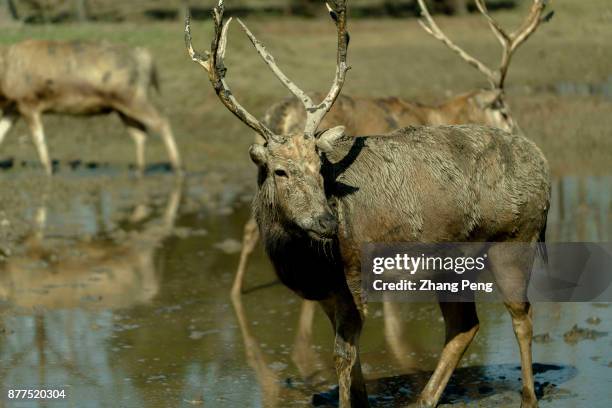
{"x": 280, "y": 173}
{"x": 496, "y": 104}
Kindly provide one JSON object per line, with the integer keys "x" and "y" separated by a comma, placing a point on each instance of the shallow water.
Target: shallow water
{"x": 118, "y": 292}
{"x": 602, "y": 89}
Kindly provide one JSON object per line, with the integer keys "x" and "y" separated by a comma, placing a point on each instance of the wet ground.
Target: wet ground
{"x": 117, "y": 290}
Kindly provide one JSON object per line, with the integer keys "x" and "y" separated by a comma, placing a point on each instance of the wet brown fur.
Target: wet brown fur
{"x": 363, "y": 116}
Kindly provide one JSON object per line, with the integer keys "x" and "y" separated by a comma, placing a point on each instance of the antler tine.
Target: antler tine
{"x": 270, "y": 61}
{"x": 314, "y": 113}
{"x": 499, "y": 32}
{"x": 212, "y": 62}
{"x": 510, "y": 42}
{"x": 430, "y": 26}
{"x": 315, "y": 116}
{"x": 531, "y": 23}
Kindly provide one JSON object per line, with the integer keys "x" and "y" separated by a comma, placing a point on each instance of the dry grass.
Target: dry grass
{"x": 389, "y": 57}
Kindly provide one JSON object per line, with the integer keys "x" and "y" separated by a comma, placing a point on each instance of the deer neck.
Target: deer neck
{"x": 449, "y": 112}
{"x": 311, "y": 269}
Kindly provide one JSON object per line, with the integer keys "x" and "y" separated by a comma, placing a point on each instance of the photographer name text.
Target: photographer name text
{"x": 413, "y": 264}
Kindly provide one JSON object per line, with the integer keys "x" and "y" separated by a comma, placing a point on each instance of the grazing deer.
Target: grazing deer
{"x": 321, "y": 195}
{"x": 81, "y": 78}
{"x": 364, "y": 116}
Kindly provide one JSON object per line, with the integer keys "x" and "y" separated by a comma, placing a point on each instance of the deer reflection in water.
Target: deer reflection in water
{"x": 59, "y": 293}
{"x": 57, "y": 273}
{"x": 313, "y": 371}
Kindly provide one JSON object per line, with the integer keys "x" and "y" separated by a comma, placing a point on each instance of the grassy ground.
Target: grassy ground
{"x": 389, "y": 57}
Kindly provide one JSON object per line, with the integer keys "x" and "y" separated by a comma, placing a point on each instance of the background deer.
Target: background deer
{"x": 321, "y": 195}
{"x": 81, "y": 78}
{"x": 366, "y": 116}
{"x": 498, "y": 110}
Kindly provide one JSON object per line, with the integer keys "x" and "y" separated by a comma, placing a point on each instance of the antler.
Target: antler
{"x": 315, "y": 115}
{"x": 432, "y": 28}
{"x": 509, "y": 42}
{"x": 213, "y": 64}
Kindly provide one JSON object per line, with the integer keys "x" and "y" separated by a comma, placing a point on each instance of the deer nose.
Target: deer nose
{"x": 327, "y": 224}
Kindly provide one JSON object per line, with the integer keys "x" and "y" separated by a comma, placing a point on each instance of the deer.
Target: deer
{"x": 322, "y": 194}
{"x": 81, "y": 78}
{"x": 363, "y": 115}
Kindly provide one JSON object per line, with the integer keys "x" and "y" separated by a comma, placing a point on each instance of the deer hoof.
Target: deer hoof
{"x": 529, "y": 402}
{"x": 421, "y": 403}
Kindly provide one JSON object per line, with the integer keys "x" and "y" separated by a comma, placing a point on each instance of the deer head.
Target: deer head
{"x": 492, "y": 101}
{"x": 289, "y": 165}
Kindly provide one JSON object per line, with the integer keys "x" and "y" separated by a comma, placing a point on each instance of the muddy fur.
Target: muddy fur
{"x": 463, "y": 183}
{"x": 426, "y": 184}
{"x": 283, "y": 211}
{"x": 486, "y": 183}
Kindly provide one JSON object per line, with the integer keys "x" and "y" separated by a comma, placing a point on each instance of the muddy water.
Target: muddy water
{"x": 117, "y": 291}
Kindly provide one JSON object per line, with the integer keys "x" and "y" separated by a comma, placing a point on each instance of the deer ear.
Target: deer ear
{"x": 258, "y": 154}
{"x": 486, "y": 99}
{"x": 327, "y": 138}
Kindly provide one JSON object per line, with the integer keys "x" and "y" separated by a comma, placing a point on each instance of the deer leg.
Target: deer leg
{"x": 394, "y": 335}
{"x": 169, "y": 141}
{"x": 347, "y": 322}
{"x": 148, "y": 116}
{"x": 136, "y": 130}
{"x": 511, "y": 266}
{"x": 249, "y": 240}
{"x": 521, "y": 314}
{"x": 36, "y": 128}
{"x": 6, "y": 123}
{"x": 303, "y": 355}
{"x": 139, "y": 137}
{"x": 461, "y": 323}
